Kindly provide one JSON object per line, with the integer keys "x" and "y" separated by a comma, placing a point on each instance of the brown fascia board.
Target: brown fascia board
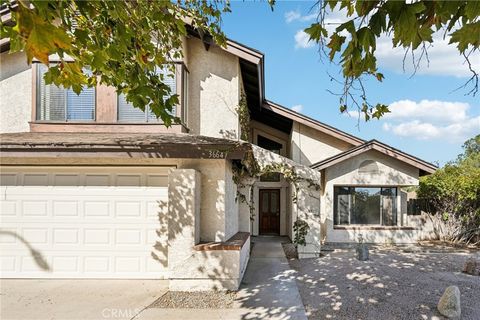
{"x": 380, "y": 147}
{"x": 241, "y": 51}
{"x": 28, "y": 145}
{"x": 312, "y": 123}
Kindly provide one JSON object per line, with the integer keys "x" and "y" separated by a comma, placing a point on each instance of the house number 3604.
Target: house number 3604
{"x": 215, "y": 154}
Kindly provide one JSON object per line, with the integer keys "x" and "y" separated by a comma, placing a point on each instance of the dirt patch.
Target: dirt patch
{"x": 290, "y": 250}
{"x": 195, "y": 300}
{"x": 393, "y": 284}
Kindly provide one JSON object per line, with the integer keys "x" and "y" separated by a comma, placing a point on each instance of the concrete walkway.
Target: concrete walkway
{"x": 77, "y": 299}
{"x": 268, "y": 290}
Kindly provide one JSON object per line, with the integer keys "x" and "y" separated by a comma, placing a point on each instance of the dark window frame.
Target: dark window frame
{"x": 275, "y": 147}
{"x": 338, "y": 221}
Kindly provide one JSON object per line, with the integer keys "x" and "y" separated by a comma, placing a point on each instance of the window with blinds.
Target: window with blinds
{"x": 128, "y": 113}
{"x": 60, "y": 104}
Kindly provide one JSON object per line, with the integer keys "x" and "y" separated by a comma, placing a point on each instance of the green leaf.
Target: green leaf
{"x": 472, "y": 9}
{"x": 363, "y": 7}
{"x": 41, "y": 38}
{"x": 380, "y": 110}
{"x": 467, "y": 35}
{"x": 378, "y": 22}
{"x": 316, "y": 32}
{"x": 366, "y": 38}
{"x": 379, "y": 76}
{"x": 335, "y": 44}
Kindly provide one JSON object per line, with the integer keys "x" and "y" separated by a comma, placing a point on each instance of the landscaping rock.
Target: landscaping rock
{"x": 472, "y": 266}
{"x": 362, "y": 250}
{"x": 449, "y": 304}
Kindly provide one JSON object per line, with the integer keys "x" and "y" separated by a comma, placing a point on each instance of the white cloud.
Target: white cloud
{"x": 352, "y": 113}
{"x": 302, "y": 40}
{"x": 291, "y": 16}
{"x": 432, "y": 119}
{"x": 297, "y": 108}
{"x": 429, "y": 110}
{"x": 443, "y": 59}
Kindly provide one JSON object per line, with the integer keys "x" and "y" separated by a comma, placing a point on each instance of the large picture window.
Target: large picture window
{"x": 128, "y": 113}
{"x": 365, "y": 206}
{"x": 60, "y": 104}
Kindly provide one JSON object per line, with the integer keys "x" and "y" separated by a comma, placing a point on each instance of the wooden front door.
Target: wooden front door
{"x": 269, "y": 211}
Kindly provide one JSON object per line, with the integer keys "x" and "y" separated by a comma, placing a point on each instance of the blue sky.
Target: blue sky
{"x": 428, "y": 120}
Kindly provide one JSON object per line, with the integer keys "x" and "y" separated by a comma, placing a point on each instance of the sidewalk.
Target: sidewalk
{"x": 268, "y": 291}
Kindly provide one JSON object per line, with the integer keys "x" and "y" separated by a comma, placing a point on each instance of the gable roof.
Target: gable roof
{"x": 312, "y": 123}
{"x": 423, "y": 166}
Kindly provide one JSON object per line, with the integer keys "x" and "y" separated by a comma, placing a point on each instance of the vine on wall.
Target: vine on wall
{"x": 300, "y": 229}
{"x": 249, "y": 168}
{"x": 243, "y": 117}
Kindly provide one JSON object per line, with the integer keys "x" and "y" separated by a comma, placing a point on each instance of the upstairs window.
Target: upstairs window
{"x": 128, "y": 113}
{"x": 60, "y": 104}
{"x": 365, "y": 206}
{"x": 274, "y": 147}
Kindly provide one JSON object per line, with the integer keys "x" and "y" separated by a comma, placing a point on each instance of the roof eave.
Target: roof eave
{"x": 423, "y": 166}
{"x": 315, "y": 124}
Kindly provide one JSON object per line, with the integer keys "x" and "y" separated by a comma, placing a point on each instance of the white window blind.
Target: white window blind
{"x": 59, "y": 104}
{"x": 128, "y": 113}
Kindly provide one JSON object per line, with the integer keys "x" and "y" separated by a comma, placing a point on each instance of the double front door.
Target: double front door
{"x": 269, "y": 211}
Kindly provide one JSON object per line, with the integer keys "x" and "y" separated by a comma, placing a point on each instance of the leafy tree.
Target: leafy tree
{"x": 122, "y": 43}
{"x": 411, "y": 25}
{"x": 453, "y": 194}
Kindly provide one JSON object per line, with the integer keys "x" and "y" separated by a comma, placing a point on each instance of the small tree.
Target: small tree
{"x": 453, "y": 196}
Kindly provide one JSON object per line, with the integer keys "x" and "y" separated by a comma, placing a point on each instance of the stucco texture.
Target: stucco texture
{"x": 391, "y": 172}
{"x": 309, "y": 146}
{"x": 214, "y": 91}
{"x": 15, "y": 92}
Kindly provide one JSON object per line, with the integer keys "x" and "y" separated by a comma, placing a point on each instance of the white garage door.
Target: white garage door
{"x": 83, "y": 222}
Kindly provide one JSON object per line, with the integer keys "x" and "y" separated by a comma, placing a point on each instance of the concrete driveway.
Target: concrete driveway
{"x": 77, "y": 299}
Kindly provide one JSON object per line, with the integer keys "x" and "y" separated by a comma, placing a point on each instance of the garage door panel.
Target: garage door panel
{"x": 108, "y": 229}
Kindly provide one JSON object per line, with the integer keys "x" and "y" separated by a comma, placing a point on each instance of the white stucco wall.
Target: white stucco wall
{"x": 15, "y": 93}
{"x": 231, "y": 205}
{"x": 392, "y": 172}
{"x": 219, "y": 210}
{"x": 214, "y": 91}
{"x": 309, "y": 146}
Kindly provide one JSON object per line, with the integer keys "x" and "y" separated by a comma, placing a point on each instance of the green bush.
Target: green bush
{"x": 453, "y": 195}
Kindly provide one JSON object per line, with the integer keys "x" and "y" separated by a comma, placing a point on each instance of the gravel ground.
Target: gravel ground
{"x": 391, "y": 285}
{"x": 195, "y": 300}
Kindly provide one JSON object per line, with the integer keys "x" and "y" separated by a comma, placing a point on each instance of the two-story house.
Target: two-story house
{"x": 94, "y": 188}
